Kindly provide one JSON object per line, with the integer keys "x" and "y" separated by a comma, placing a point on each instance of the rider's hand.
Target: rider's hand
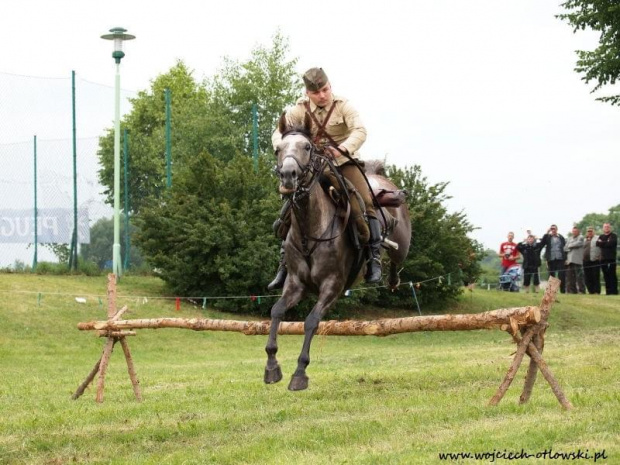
{"x": 337, "y": 152}
{"x": 333, "y": 151}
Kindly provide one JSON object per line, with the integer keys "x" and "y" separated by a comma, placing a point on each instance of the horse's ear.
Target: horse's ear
{"x": 307, "y": 123}
{"x": 282, "y": 125}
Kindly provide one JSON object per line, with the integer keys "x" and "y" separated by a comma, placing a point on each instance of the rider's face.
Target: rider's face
{"x": 322, "y": 96}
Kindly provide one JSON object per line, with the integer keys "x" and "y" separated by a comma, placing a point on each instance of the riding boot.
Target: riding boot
{"x": 373, "y": 267}
{"x": 278, "y": 282}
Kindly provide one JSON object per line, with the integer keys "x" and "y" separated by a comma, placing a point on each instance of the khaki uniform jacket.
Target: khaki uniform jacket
{"x": 344, "y": 125}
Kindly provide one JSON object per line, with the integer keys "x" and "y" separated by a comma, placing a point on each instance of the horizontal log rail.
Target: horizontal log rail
{"x": 513, "y": 318}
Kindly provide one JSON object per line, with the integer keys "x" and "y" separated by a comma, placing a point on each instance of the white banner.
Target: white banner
{"x": 54, "y": 225}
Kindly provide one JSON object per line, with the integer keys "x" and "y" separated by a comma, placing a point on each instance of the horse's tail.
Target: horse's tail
{"x": 374, "y": 167}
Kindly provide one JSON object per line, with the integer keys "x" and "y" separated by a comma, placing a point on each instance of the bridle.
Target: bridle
{"x": 307, "y": 179}
{"x": 314, "y": 166}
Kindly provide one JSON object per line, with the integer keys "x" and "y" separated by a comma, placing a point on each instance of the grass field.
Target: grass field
{"x": 402, "y": 399}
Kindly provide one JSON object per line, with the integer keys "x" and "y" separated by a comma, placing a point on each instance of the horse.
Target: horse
{"x": 319, "y": 252}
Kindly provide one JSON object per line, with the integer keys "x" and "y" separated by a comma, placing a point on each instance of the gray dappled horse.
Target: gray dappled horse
{"x": 319, "y": 253}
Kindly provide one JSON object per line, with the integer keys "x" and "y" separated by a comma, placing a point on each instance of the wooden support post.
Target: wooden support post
{"x": 112, "y": 338}
{"x": 103, "y": 367}
{"x": 539, "y": 339}
{"x": 89, "y": 379}
{"x": 514, "y": 367}
{"x": 131, "y": 370}
{"x": 525, "y": 345}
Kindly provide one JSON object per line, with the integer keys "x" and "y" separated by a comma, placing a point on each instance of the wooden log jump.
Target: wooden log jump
{"x": 526, "y": 325}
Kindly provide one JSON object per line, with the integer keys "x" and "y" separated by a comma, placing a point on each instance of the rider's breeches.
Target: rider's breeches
{"x": 353, "y": 174}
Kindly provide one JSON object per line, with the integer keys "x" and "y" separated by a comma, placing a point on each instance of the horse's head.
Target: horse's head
{"x": 295, "y": 155}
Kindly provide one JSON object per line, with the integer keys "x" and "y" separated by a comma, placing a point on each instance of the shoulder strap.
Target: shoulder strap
{"x": 321, "y": 132}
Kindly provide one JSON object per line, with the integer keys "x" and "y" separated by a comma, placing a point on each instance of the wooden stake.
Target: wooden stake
{"x": 542, "y": 366}
{"x": 82, "y": 387}
{"x": 130, "y": 368}
{"x": 514, "y": 367}
{"x": 103, "y": 366}
{"x": 539, "y": 339}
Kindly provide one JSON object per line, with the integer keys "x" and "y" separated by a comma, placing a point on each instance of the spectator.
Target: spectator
{"x": 508, "y": 253}
{"x": 530, "y": 251}
{"x": 574, "y": 261}
{"x": 608, "y": 242}
{"x": 592, "y": 262}
{"x": 554, "y": 255}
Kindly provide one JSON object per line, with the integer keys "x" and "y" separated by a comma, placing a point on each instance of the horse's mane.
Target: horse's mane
{"x": 374, "y": 167}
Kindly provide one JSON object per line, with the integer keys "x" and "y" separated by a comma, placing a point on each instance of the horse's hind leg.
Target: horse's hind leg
{"x": 299, "y": 381}
{"x": 394, "y": 278}
{"x": 289, "y": 299}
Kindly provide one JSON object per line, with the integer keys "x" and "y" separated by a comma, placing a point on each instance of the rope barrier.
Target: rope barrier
{"x": 254, "y": 297}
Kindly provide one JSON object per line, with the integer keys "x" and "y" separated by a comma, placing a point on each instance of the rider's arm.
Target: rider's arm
{"x": 354, "y": 123}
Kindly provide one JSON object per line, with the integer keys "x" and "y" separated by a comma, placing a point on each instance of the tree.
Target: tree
{"x": 211, "y": 235}
{"x": 601, "y": 65}
{"x": 598, "y": 219}
{"x": 214, "y": 117}
{"x": 268, "y": 80}
{"x": 146, "y": 127}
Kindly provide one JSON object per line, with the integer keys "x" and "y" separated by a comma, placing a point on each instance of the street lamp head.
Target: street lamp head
{"x": 118, "y": 36}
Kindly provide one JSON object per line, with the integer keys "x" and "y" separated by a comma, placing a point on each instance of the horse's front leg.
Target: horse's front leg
{"x": 327, "y": 296}
{"x": 290, "y": 297}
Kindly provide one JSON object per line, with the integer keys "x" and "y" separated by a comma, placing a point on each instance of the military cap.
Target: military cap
{"x": 315, "y": 79}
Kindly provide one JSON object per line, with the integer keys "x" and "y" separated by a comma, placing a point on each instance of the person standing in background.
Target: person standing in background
{"x": 574, "y": 261}
{"x": 530, "y": 251}
{"x": 608, "y": 242}
{"x": 554, "y": 255}
{"x": 592, "y": 262}
{"x": 508, "y": 253}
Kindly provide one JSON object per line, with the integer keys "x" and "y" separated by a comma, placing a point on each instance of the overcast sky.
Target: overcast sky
{"x": 480, "y": 93}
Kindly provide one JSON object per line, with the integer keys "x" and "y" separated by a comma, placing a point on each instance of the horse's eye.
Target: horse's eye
{"x": 308, "y": 147}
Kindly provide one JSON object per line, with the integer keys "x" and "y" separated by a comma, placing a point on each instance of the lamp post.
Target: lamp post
{"x": 118, "y": 36}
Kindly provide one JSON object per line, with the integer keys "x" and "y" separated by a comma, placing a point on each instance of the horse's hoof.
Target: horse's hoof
{"x": 273, "y": 375}
{"x": 394, "y": 285}
{"x": 298, "y": 383}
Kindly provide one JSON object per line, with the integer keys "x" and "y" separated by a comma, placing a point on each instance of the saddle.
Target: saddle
{"x": 383, "y": 198}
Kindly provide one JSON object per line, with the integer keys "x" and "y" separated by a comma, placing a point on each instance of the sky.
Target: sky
{"x": 481, "y": 94}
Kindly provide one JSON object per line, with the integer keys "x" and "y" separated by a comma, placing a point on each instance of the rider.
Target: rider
{"x": 334, "y": 121}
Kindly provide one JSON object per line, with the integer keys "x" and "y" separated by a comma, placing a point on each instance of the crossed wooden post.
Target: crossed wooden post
{"x": 526, "y": 325}
{"x": 113, "y": 337}
{"x": 531, "y": 341}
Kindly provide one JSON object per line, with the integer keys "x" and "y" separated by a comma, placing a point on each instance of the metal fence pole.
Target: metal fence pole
{"x": 255, "y": 135}
{"x": 73, "y": 261}
{"x": 35, "y": 259}
{"x": 168, "y": 140}
{"x": 126, "y": 192}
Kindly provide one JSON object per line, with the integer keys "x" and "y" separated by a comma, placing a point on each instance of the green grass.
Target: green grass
{"x": 395, "y": 400}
